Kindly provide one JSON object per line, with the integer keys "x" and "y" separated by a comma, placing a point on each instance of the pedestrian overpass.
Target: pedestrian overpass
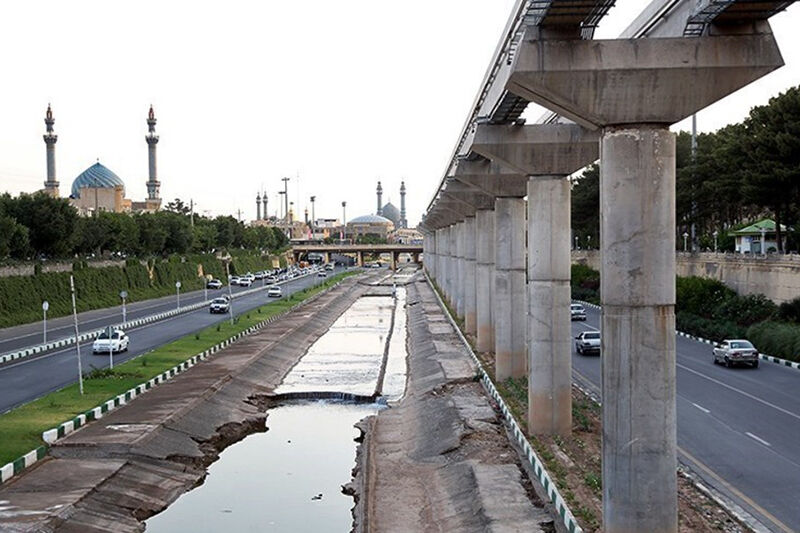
{"x": 359, "y": 250}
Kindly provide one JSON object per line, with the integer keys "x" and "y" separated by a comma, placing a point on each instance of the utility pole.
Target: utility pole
{"x": 286, "y": 195}
{"x": 77, "y": 335}
{"x": 693, "y": 227}
{"x": 191, "y": 212}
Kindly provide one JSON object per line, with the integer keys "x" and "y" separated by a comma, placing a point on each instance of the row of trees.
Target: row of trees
{"x": 38, "y": 225}
{"x": 739, "y": 174}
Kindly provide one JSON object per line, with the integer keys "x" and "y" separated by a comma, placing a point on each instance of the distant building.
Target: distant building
{"x": 405, "y": 236}
{"x": 749, "y": 239}
{"x": 375, "y": 225}
{"x": 397, "y": 216}
{"x": 98, "y": 188}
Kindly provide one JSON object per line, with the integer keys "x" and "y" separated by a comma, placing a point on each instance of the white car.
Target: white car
{"x": 588, "y": 342}
{"x": 245, "y": 282}
{"x": 274, "y": 292}
{"x": 117, "y": 343}
{"x": 234, "y": 280}
{"x": 577, "y": 312}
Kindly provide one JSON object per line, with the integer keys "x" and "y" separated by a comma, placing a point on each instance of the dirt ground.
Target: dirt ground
{"x": 574, "y": 463}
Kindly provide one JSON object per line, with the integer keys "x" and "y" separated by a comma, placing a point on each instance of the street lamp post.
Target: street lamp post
{"x": 77, "y": 335}
{"x": 178, "y": 293}
{"x": 716, "y": 233}
{"x": 576, "y": 242}
{"x": 685, "y": 242}
{"x": 313, "y": 217}
{"x": 764, "y": 242}
{"x": 124, "y": 295}
{"x": 230, "y": 292}
{"x": 45, "y": 307}
{"x": 344, "y": 221}
{"x": 589, "y": 241}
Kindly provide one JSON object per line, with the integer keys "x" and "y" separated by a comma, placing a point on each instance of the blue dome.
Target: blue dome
{"x": 370, "y": 219}
{"x": 96, "y": 176}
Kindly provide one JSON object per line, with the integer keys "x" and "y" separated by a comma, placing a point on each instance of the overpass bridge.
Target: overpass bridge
{"x": 359, "y": 250}
{"x": 497, "y": 230}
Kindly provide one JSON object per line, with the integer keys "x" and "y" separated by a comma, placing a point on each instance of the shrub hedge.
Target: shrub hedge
{"x": 21, "y": 297}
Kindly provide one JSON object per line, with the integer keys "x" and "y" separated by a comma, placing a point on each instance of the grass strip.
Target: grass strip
{"x": 21, "y": 428}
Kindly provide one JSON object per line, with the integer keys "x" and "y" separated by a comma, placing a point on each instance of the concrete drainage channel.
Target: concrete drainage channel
{"x": 293, "y": 477}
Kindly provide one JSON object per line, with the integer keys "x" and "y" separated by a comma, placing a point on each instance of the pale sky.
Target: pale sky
{"x": 340, "y": 94}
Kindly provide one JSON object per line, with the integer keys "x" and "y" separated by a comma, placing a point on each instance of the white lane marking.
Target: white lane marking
{"x": 759, "y": 439}
{"x": 706, "y": 411}
{"x": 743, "y": 393}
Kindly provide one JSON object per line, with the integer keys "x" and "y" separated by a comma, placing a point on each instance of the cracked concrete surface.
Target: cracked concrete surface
{"x": 440, "y": 460}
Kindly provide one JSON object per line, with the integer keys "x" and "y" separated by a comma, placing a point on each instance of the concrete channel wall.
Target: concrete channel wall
{"x": 776, "y": 276}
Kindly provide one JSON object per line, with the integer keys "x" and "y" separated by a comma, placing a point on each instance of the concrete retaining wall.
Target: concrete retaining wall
{"x": 776, "y": 276}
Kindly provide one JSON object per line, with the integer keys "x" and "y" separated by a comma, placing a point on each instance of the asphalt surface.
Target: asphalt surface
{"x": 27, "y": 335}
{"x": 35, "y": 376}
{"x": 738, "y": 428}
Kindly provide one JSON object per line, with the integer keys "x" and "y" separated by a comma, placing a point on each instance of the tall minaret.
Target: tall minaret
{"x": 380, "y": 203}
{"x": 264, "y": 201}
{"x": 153, "y": 185}
{"x": 50, "y": 138}
{"x": 258, "y": 206}
{"x": 403, "y": 221}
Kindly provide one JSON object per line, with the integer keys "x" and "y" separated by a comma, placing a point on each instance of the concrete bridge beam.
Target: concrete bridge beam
{"x": 633, "y": 90}
{"x": 509, "y": 294}
{"x": 484, "y": 278}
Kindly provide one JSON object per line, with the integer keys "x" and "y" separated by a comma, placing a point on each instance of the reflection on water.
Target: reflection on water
{"x": 271, "y": 481}
{"x": 348, "y": 357}
{"x": 290, "y": 478}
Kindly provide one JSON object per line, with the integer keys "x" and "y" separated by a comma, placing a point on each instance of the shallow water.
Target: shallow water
{"x": 267, "y": 481}
{"x": 273, "y": 481}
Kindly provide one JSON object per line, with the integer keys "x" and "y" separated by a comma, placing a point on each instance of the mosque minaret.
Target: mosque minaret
{"x": 50, "y": 138}
{"x": 153, "y": 185}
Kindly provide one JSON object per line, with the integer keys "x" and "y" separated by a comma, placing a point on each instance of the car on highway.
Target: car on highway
{"x": 234, "y": 280}
{"x": 219, "y": 305}
{"x": 577, "y": 312}
{"x": 329, "y": 266}
{"x": 214, "y": 284}
{"x": 588, "y": 342}
{"x": 250, "y": 276}
{"x": 245, "y": 282}
{"x": 732, "y": 352}
{"x": 118, "y": 342}
{"x": 322, "y": 274}
{"x": 274, "y": 292}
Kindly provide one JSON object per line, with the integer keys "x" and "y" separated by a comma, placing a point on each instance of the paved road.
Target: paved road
{"x": 27, "y": 335}
{"x": 738, "y": 429}
{"x": 33, "y": 377}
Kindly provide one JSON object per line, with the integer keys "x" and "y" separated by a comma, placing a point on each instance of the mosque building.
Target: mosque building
{"x": 385, "y": 221}
{"x": 98, "y": 188}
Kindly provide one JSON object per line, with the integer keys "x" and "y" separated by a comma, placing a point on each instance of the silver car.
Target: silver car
{"x": 588, "y": 342}
{"x": 735, "y": 352}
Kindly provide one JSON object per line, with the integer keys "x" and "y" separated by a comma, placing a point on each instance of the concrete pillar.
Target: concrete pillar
{"x": 637, "y": 237}
{"x": 452, "y": 270}
{"x": 360, "y": 259}
{"x": 441, "y": 269}
{"x": 393, "y": 261}
{"x": 509, "y": 302}
{"x": 549, "y": 322}
{"x": 447, "y": 272}
{"x": 484, "y": 278}
{"x": 460, "y": 272}
{"x": 470, "y": 291}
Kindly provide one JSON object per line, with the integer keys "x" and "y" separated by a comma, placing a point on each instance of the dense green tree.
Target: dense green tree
{"x": 51, "y": 222}
{"x": 585, "y": 211}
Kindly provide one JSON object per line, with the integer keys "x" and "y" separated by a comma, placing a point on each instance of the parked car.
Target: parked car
{"x": 219, "y": 305}
{"x": 118, "y": 342}
{"x": 577, "y": 312}
{"x": 736, "y": 352}
{"x": 274, "y": 292}
{"x": 214, "y": 284}
{"x": 245, "y": 282}
{"x": 588, "y": 342}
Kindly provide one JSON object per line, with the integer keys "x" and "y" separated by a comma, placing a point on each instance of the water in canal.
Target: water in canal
{"x": 290, "y": 478}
